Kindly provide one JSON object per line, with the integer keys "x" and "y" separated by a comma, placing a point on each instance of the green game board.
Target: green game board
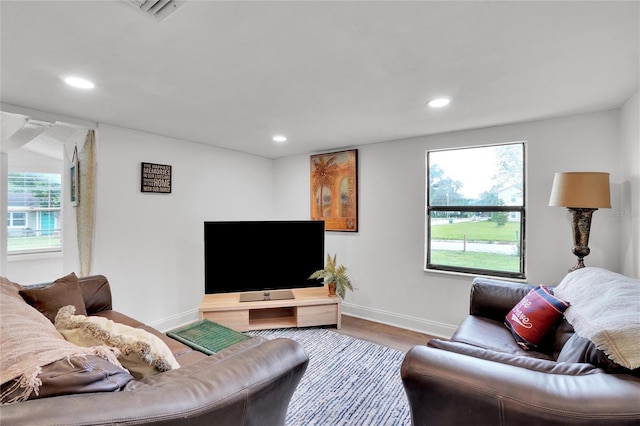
{"x": 207, "y": 336}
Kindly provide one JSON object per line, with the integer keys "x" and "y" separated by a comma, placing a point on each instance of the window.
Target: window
{"x": 476, "y": 210}
{"x": 33, "y": 217}
{"x": 17, "y": 220}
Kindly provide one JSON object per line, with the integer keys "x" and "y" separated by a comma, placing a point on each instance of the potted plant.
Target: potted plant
{"x": 335, "y": 277}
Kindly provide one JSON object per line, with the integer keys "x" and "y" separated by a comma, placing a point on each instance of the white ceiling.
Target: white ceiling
{"x": 329, "y": 75}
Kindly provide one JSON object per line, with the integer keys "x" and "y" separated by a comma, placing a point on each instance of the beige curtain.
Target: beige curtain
{"x": 86, "y": 203}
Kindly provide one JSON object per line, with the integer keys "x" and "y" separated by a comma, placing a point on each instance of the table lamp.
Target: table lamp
{"x": 581, "y": 193}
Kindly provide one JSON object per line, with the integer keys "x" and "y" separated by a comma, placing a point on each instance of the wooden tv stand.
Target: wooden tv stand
{"x": 310, "y": 307}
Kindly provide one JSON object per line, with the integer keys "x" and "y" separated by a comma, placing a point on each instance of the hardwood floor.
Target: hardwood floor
{"x": 387, "y": 335}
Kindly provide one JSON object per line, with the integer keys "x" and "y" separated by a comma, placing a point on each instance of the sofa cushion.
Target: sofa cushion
{"x": 120, "y": 318}
{"x": 48, "y": 300}
{"x": 494, "y": 298}
{"x": 579, "y": 349}
{"x": 141, "y": 352}
{"x": 534, "y": 316}
{"x": 492, "y": 335}
{"x": 96, "y": 292}
{"x": 524, "y": 361}
{"x": 562, "y": 334}
{"x": 29, "y": 343}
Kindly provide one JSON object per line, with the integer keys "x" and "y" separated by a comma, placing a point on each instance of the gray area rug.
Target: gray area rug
{"x": 348, "y": 382}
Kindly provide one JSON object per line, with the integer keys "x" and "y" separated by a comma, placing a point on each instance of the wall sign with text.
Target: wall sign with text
{"x": 155, "y": 178}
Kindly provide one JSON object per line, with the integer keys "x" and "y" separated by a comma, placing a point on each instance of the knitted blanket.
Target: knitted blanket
{"x": 29, "y": 341}
{"x": 605, "y": 308}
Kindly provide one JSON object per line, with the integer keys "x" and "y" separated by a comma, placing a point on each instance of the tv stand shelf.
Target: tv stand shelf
{"x": 310, "y": 307}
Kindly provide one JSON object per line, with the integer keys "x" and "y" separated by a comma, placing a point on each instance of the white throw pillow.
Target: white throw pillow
{"x": 142, "y": 353}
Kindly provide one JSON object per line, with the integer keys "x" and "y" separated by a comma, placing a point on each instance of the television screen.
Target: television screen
{"x": 262, "y": 255}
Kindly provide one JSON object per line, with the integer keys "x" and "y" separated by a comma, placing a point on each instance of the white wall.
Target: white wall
{"x": 385, "y": 258}
{"x": 150, "y": 246}
{"x": 629, "y": 213}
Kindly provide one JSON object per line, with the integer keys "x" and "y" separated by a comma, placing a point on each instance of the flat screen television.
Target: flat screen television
{"x": 261, "y": 256}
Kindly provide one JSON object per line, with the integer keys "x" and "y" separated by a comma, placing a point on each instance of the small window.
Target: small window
{"x": 476, "y": 210}
{"x": 33, "y": 216}
{"x": 17, "y": 220}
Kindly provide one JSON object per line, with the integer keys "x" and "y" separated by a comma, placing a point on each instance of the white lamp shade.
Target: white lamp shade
{"x": 581, "y": 190}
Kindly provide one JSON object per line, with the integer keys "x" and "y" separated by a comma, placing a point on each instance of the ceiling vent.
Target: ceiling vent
{"x": 157, "y": 9}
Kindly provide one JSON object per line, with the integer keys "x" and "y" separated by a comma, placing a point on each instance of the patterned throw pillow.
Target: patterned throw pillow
{"x": 534, "y": 316}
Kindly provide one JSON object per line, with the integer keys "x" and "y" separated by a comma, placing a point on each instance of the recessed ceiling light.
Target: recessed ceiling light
{"x": 438, "y": 102}
{"x": 279, "y": 138}
{"x": 79, "y": 82}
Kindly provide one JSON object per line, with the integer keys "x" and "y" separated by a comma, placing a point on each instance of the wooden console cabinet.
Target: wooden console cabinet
{"x": 310, "y": 307}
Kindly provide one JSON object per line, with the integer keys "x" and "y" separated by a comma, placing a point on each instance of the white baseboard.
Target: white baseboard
{"x": 175, "y": 321}
{"x": 433, "y": 328}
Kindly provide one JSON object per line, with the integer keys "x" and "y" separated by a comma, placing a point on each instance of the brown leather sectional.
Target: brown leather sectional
{"x": 482, "y": 377}
{"x": 249, "y": 383}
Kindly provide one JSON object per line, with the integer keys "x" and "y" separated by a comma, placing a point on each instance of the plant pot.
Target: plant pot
{"x": 332, "y": 289}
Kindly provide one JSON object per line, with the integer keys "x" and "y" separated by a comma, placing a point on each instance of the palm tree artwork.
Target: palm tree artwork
{"x": 334, "y": 190}
{"x": 325, "y": 171}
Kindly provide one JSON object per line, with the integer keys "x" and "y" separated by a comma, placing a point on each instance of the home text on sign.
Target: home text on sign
{"x": 156, "y": 178}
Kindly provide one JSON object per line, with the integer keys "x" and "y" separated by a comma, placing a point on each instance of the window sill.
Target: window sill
{"x": 28, "y": 256}
{"x": 466, "y": 274}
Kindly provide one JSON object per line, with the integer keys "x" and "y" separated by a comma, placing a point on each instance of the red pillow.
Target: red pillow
{"x": 534, "y": 316}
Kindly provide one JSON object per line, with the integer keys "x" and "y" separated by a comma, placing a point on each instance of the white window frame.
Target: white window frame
{"x": 56, "y": 234}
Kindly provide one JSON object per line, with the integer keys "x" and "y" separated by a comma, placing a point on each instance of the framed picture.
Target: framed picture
{"x": 74, "y": 179}
{"x": 155, "y": 178}
{"x": 334, "y": 190}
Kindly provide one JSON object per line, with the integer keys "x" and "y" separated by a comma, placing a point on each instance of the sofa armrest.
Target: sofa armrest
{"x": 494, "y": 299}
{"x": 455, "y": 389}
{"x": 96, "y": 292}
{"x": 250, "y": 386}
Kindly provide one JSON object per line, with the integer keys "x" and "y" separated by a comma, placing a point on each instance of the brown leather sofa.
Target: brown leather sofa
{"x": 482, "y": 377}
{"x": 249, "y": 383}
